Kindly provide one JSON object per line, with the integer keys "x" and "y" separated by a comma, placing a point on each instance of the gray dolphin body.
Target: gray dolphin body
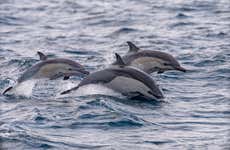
{"x": 51, "y": 69}
{"x": 150, "y": 61}
{"x": 129, "y": 81}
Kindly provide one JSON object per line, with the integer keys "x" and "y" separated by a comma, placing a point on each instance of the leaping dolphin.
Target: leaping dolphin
{"x": 150, "y": 61}
{"x": 127, "y": 80}
{"x": 51, "y": 69}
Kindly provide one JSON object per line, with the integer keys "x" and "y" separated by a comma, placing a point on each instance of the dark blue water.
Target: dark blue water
{"x": 196, "y": 111}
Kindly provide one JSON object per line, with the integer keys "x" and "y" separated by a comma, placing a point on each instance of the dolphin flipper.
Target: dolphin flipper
{"x": 133, "y": 94}
{"x": 56, "y": 76}
{"x": 66, "y": 77}
{"x": 73, "y": 73}
{"x": 160, "y": 71}
{"x": 42, "y": 56}
{"x": 132, "y": 47}
{"x": 68, "y": 91}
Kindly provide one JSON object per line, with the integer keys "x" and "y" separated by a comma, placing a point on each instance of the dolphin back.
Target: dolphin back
{"x": 103, "y": 76}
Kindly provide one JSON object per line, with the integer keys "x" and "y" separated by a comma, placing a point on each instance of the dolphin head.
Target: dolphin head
{"x": 168, "y": 62}
{"x": 151, "y": 93}
{"x": 72, "y": 68}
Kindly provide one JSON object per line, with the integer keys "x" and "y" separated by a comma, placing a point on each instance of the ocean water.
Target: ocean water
{"x": 195, "y": 113}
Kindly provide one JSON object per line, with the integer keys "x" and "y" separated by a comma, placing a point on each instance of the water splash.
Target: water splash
{"x": 23, "y": 89}
{"x": 91, "y": 89}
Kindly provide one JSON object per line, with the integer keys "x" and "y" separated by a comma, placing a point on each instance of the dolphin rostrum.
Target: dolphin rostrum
{"x": 150, "y": 61}
{"x": 51, "y": 69}
{"x": 127, "y": 80}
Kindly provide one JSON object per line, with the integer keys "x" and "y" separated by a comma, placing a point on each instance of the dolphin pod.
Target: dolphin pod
{"x": 51, "y": 69}
{"x": 129, "y": 74}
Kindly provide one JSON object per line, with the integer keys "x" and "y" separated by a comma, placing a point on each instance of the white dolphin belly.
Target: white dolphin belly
{"x": 126, "y": 85}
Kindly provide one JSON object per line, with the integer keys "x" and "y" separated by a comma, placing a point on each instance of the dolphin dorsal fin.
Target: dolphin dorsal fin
{"x": 119, "y": 60}
{"x": 132, "y": 47}
{"x": 42, "y": 56}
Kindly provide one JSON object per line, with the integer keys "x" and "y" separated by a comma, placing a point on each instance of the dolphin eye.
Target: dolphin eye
{"x": 70, "y": 69}
{"x": 166, "y": 64}
{"x": 150, "y": 92}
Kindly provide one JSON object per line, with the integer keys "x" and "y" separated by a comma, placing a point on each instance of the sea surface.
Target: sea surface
{"x": 195, "y": 113}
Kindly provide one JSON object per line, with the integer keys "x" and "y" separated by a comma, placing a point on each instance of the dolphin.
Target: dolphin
{"x": 150, "y": 61}
{"x": 51, "y": 69}
{"x": 129, "y": 81}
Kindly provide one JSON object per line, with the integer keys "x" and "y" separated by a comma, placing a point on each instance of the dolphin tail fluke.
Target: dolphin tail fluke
{"x": 132, "y": 47}
{"x": 66, "y": 92}
{"x": 8, "y": 89}
{"x": 70, "y": 90}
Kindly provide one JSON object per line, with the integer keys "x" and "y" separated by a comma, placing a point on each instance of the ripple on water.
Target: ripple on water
{"x": 124, "y": 30}
{"x": 82, "y": 52}
{"x": 182, "y": 24}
